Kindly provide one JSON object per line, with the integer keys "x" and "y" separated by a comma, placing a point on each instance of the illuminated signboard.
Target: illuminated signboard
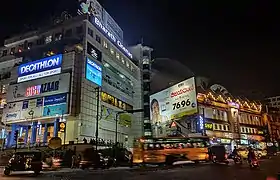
{"x": 201, "y": 123}
{"x": 111, "y": 36}
{"x": 94, "y": 52}
{"x": 105, "y": 97}
{"x": 41, "y": 68}
{"x": 208, "y": 126}
{"x": 174, "y": 102}
{"x": 93, "y": 72}
{"x": 43, "y": 88}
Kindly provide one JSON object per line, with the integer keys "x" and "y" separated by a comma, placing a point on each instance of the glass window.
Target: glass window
{"x": 29, "y": 45}
{"x": 13, "y": 49}
{"x": 105, "y": 44}
{"x": 220, "y": 127}
{"x": 5, "y": 52}
{"x": 57, "y": 36}
{"x": 215, "y": 126}
{"x": 97, "y": 38}
{"x": 48, "y": 39}
{"x": 117, "y": 55}
{"x": 112, "y": 51}
{"x": 90, "y": 32}
{"x": 68, "y": 33}
{"x": 79, "y": 29}
{"x": 225, "y": 128}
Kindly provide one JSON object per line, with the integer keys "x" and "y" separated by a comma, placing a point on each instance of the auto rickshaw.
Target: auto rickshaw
{"x": 25, "y": 161}
{"x": 218, "y": 154}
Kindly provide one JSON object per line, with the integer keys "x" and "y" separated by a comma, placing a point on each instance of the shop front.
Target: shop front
{"x": 222, "y": 138}
{"x": 37, "y": 133}
{"x": 255, "y": 141}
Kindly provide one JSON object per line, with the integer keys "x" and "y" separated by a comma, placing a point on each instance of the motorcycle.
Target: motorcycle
{"x": 237, "y": 160}
{"x": 254, "y": 163}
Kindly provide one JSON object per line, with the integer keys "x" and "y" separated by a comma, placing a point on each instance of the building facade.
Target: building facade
{"x": 273, "y": 101}
{"x": 71, "y": 82}
{"x": 231, "y": 121}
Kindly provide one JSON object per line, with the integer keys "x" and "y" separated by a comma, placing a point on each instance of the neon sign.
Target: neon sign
{"x": 110, "y": 35}
{"x": 43, "y": 88}
{"x": 40, "y": 68}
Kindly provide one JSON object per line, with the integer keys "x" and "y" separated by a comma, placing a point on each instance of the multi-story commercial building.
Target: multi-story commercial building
{"x": 72, "y": 78}
{"x": 231, "y": 121}
{"x": 273, "y": 101}
{"x": 272, "y": 118}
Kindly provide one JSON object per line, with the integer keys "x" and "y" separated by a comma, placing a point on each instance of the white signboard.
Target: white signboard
{"x": 38, "y": 88}
{"x": 32, "y": 109}
{"x": 12, "y": 112}
{"x": 174, "y": 102}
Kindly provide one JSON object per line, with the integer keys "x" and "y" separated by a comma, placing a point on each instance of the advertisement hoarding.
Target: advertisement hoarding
{"x": 41, "y": 68}
{"x": 31, "y": 108}
{"x": 174, "y": 102}
{"x": 36, "y": 108}
{"x": 55, "y": 110}
{"x": 38, "y": 88}
{"x": 93, "y": 72}
{"x": 12, "y": 111}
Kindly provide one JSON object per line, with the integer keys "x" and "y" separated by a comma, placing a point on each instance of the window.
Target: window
{"x": 97, "y": 38}
{"x": 13, "y": 49}
{"x": 112, "y": 51}
{"x": 117, "y": 55}
{"x": 68, "y": 33}
{"x": 5, "y": 52}
{"x": 127, "y": 64}
{"x": 3, "y": 89}
{"x": 90, "y": 32}
{"x": 220, "y": 127}
{"x": 79, "y": 29}
{"x": 48, "y": 39}
{"x": 123, "y": 60}
{"x": 57, "y": 36}
{"x": 225, "y": 127}
{"x": 105, "y": 44}
{"x": 29, "y": 45}
{"x": 216, "y": 126}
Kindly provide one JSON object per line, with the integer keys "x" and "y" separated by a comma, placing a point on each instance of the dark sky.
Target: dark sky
{"x": 235, "y": 44}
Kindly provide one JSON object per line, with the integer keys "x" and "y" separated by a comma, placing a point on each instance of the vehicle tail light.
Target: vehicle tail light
{"x": 226, "y": 156}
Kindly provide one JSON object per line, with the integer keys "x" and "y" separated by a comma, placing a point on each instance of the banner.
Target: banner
{"x": 55, "y": 99}
{"x": 12, "y": 111}
{"x": 55, "y": 110}
{"x": 32, "y": 109}
{"x": 38, "y": 88}
{"x": 174, "y": 102}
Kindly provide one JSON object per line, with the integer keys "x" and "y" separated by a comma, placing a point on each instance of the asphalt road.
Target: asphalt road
{"x": 269, "y": 167}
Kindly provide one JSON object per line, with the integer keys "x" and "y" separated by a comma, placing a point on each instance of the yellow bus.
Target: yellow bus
{"x": 170, "y": 149}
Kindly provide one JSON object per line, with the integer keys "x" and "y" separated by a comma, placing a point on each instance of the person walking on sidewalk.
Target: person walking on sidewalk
{"x": 74, "y": 159}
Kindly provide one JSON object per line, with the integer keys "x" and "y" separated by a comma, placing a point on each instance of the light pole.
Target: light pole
{"x": 97, "y": 118}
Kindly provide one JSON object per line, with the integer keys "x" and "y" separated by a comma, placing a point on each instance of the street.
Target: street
{"x": 269, "y": 167}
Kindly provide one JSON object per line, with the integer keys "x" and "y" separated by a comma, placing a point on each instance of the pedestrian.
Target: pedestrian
{"x": 73, "y": 164}
{"x": 79, "y": 158}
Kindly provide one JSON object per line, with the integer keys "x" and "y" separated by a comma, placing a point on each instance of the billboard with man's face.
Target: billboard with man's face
{"x": 174, "y": 102}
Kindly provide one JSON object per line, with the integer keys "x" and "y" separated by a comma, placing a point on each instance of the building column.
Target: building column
{"x": 55, "y": 129}
{"x": 45, "y": 133}
{"x": 12, "y": 141}
{"x": 33, "y": 132}
{"x": 26, "y": 135}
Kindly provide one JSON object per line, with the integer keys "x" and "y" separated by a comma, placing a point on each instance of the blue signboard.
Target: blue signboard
{"x": 93, "y": 72}
{"x": 40, "y": 68}
{"x": 55, "y": 110}
{"x": 55, "y": 99}
{"x": 45, "y": 64}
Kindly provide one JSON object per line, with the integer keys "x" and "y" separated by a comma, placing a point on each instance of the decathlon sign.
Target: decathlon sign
{"x": 111, "y": 36}
{"x": 40, "y": 68}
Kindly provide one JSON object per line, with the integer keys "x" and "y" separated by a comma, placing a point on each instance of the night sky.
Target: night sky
{"x": 234, "y": 44}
